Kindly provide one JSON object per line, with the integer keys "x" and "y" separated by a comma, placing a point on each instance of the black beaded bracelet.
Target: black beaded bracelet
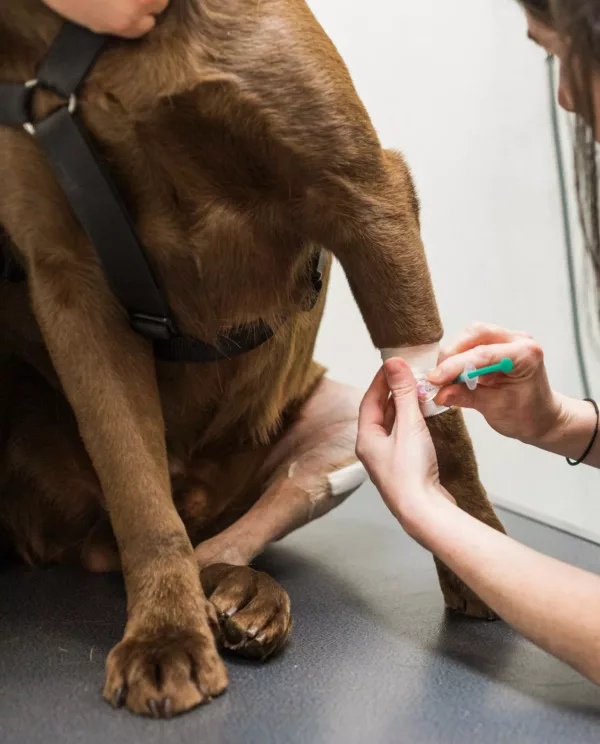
{"x": 573, "y": 463}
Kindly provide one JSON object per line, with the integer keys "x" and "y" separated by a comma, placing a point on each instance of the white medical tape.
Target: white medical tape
{"x": 421, "y": 360}
{"x": 417, "y": 357}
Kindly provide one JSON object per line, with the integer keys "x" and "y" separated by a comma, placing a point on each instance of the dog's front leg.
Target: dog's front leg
{"x": 373, "y": 228}
{"x": 167, "y": 661}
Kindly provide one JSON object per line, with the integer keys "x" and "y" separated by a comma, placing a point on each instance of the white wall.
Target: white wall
{"x": 461, "y": 92}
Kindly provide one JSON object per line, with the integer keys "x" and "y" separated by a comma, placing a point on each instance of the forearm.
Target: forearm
{"x": 555, "y": 605}
{"x": 573, "y": 431}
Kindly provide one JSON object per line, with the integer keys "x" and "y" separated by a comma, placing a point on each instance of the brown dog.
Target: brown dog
{"x": 240, "y": 144}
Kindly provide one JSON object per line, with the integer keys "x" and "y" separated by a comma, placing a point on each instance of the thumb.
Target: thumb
{"x": 403, "y": 387}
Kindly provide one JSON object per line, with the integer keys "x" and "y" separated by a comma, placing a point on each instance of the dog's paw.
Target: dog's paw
{"x": 253, "y": 610}
{"x": 470, "y": 606}
{"x": 459, "y": 598}
{"x": 164, "y": 674}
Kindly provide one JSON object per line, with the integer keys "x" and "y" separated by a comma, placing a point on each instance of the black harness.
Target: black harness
{"x": 101, "y": 212}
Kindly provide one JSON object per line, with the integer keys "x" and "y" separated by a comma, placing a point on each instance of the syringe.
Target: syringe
{"x": 470, "y": 377}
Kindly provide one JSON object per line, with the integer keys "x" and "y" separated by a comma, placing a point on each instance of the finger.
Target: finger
{"x": 461, "y": 397}
{"x": 140, "y": 28}
{"x": 480, "y": 334}
{"x": 371, "y": 416}
{"x": 403, "y": 387}
{"x": 389, "y": 416}
{"x": 456, "y": 395}
{"x": 481, "y": 356}
{"x": 155, "y": 7}
{"x": 497, "y": 379}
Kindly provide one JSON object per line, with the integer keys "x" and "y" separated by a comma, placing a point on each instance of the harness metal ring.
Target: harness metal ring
{"x": 31, "y": 85}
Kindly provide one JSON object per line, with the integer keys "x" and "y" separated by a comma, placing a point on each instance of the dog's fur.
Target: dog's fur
{"x": 240, "y": 144}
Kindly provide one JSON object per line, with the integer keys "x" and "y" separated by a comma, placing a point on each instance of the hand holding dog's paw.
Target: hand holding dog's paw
{"x": 166, "y": 673}
{"x": 252, "y": 608}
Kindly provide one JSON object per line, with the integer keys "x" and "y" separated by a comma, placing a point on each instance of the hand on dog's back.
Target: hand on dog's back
{"x": 129, "y": 18}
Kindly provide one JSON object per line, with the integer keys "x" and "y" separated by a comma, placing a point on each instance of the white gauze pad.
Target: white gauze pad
{"x": 345, "y": 481}
{"x": 421, "y": 360}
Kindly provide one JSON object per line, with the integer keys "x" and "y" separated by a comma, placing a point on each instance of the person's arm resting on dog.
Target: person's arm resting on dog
{"x": 555, "y": 605}
{"x": 128, "y": 18}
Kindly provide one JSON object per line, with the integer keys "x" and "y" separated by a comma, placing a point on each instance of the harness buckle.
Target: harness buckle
{"x": 152, "y": 327}
{"x": 32, "y": 86}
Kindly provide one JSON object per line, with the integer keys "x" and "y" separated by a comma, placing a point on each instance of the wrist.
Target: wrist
{"x": 421, "y": 520}
{"x": 539, "y": 430}
{"x": 571, "y": 428}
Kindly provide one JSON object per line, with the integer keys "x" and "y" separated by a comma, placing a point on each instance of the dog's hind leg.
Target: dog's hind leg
{"x": 253, "y": 610}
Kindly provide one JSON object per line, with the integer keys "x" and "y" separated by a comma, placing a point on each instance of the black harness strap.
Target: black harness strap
{"x": 14, "y": 100}
{"x": 100, "y": 210}
{"x": 234, "y": 343}
{"x": 70, "y": 59}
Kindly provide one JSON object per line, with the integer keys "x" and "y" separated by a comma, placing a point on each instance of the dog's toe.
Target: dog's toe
{"x": 166, "y": 674}
{"x": 253, "y": 609}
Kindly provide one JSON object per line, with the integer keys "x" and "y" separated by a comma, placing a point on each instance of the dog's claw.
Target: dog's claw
{"x": 263, "y": 625}
{"x": 168, "y": 707}
{"x": 205, "y": 692}
{"x": 154, "y": 708}
{"x": 119, "y": 697}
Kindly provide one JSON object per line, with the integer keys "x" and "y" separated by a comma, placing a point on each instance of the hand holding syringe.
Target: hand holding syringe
{"x": 427, "y": 391}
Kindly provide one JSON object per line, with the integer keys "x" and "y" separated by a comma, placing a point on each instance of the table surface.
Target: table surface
{"x": 373, "y": 657}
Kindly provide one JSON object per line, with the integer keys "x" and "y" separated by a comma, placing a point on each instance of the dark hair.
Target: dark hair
{"x": 578, "y": 23}
{"x": 539, "y": 8}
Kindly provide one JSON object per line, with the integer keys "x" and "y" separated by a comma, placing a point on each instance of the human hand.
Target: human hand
{"x": 396, "y": 448}
{"x": 129, "y": 18}
{"x": 521, "y": 404}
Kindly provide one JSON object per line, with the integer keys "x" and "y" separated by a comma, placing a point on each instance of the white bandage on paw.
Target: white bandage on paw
{"x": 421, "y": 360}
{"x": 345, "y": 481}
